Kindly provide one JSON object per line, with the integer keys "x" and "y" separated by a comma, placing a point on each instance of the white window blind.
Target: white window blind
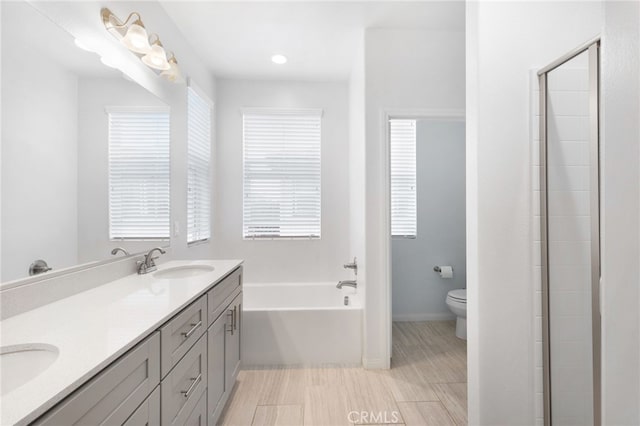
{"x": 138, "y": 173}
{"x": 403, "y": 178}
{"x": 198, "y": 165}
{"x": 281, "y": 174}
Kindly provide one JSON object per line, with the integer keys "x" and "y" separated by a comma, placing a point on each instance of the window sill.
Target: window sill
{"x": 198, "y": 243}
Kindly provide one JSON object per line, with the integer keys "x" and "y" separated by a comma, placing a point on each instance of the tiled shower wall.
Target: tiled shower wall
{"x": 569, "y": 239}
{"x": 536, "y": 249}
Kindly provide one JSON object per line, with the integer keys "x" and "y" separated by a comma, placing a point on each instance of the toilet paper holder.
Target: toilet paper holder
{"x": 447, "y": 270}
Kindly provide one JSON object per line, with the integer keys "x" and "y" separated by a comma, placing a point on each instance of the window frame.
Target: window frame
{"x": 413, "y": 235}
{"x": 109, "y": 110}
{"x": 193, "y": 88}
{"x": 282, "y": 112}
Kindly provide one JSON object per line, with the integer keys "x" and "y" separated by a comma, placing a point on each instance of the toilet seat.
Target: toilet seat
{"x": 459, "y": 295}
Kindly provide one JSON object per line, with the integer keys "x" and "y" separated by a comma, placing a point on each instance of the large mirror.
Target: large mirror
{"x": 85, "y": 153}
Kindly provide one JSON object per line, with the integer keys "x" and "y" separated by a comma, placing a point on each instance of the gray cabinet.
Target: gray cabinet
{"x": 114, "y": 394}
{"x": 221, "y": 292}
{"x": 148, "y": 414}
{"x": 224, "y": 351}
{"x": 181, "y": 332}
{"x": 198, "y": 416}
{"x": 232, "y": 342}
{"x": 181, "y": 374}
{"x": 216, "y": 385}
{"x": 182, "y": 388}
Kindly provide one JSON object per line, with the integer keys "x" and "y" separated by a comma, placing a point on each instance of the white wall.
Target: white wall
{"x": 620, "y": 204}
{"x": 504, "y": 42}
{"x": 405, "y": 69}
{"x": 94, "y": 95}
{"x": 284, "y": 260}
{"x": 357, "y": 165}
{"x": 39, "y": 162}
{"x": 418, "y": 292}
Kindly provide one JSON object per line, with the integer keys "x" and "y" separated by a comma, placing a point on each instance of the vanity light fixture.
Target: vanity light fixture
{"x": 136, "y": 38}
{"x": 156, "y": 58}
{"x": 133, "y": 35}
{"x": 173, "y": 74}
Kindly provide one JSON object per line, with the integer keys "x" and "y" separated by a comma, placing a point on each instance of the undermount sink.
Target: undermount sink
{"x": 183, "y": 271}
{"x": 22, "y": 363}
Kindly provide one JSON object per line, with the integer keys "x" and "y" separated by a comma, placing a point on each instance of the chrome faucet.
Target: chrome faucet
{"x": 148, "y": 265}
{"x": 117, "y": 249}
{"x": 348, "y": 283}
{"x": 353, "y": 265}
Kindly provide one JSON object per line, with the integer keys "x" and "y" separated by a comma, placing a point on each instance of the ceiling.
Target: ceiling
{"x": 236, "y": 39}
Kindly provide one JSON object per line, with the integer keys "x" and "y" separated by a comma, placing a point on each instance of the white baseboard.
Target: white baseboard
{"x": 424, "y": 317}
{"x": 375, "y": 364}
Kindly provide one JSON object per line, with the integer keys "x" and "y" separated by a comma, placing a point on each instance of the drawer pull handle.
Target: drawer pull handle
{"x": 235, "y": 317}
{"x": 194, "y": 327}
{"x": 230, "y": 314}
{"x": 195, "y": 380}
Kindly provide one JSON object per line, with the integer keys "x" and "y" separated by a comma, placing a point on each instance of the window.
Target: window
{"x": 138, "y": 173}
{"x": 403, "y": 178}
{"x": 198, "y": 167}
{"x": 281, "y": 174}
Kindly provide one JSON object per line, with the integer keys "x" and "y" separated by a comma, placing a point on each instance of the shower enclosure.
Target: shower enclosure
{"x": 570, "y": 236}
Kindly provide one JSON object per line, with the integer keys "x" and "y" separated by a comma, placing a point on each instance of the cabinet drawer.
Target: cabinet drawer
{"x": 198, "y": 416}
{"x": 113, "y": 395}
{"x": 221, "y": 291}
{"x": 181, "y": 332}
{"x": 182, "y": 388}
{"x": 148, "y": 414}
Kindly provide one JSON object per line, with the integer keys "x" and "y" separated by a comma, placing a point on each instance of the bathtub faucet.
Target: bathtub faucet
{"x": 348, "y": 283}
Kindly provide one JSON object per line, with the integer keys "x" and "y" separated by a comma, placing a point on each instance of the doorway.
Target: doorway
{"x": 427, "y": 254}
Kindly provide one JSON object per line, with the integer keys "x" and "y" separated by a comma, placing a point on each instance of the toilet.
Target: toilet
{"x": 457, "y": 303}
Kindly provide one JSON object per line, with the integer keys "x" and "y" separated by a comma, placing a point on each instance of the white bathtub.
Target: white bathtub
{"x": 300, "y": 324}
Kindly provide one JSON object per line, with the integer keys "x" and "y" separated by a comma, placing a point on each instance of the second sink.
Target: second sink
{"x": 183, "y": 271}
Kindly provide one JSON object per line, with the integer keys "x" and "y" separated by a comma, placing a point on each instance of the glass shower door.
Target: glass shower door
{"x": 571, "y": 240}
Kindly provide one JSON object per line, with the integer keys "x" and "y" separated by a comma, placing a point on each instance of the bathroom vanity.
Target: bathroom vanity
{"x": 161, "y": 348}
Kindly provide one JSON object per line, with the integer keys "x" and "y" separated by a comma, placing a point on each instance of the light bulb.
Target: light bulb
{"x": 173, "y": 74}
{"x": 137, "y": 39}
{"x": 156, "y": 58}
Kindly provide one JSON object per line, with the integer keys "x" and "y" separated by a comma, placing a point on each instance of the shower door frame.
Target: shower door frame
{"x": 593, "y": 49}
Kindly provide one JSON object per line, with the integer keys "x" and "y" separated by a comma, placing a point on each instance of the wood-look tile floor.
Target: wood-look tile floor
{"x": 425, "y": 386}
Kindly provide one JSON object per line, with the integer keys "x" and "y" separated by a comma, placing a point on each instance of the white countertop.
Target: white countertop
{"x": 93, "y": 328}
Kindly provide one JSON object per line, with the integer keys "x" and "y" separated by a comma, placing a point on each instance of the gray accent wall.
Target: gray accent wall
{"x": 418, "y": 292}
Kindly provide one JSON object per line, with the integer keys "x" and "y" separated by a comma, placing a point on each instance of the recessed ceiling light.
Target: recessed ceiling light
{"x": 279, "y": 59}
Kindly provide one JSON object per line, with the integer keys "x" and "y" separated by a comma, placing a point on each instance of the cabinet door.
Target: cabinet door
{"x": 148, "y": 414}
{"x": 232, "y": 342}
{"x": 114, "y": 395}
{"x": 215, "y": 367}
